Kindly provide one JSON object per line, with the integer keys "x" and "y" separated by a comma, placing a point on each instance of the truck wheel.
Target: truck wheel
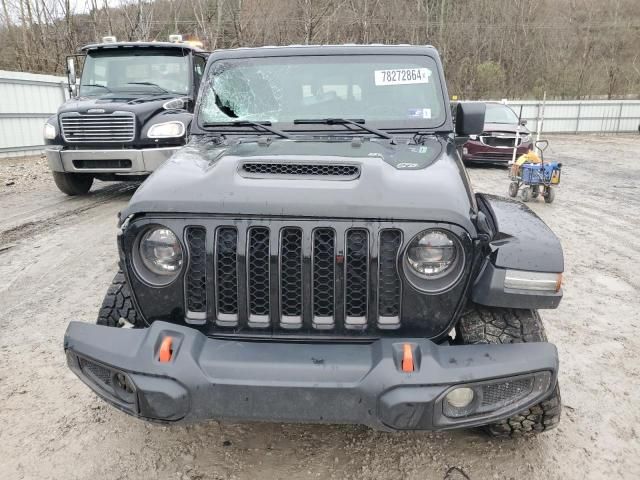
{"x": 481, "y": 325}
{"x": 513, "y": 189}
{"x": 526, "y": 194}
{"x": 117, "y": 305}
{"x": 73, "y": 183}
{"x": 549, "y": 195}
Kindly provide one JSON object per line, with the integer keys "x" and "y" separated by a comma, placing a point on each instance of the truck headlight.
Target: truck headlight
{"x": 166, "y": 130}
{"x": 434, "y": 260}
{"x": 158, "y": 255}
{"x": 49, "y": 131}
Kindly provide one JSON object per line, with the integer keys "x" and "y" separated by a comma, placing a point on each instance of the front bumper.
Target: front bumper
{"x": 359, "y": 383}
{"x": 121, "y": 161}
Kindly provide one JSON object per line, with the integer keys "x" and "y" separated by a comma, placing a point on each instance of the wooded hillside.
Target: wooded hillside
{"x": 491, "y": 48}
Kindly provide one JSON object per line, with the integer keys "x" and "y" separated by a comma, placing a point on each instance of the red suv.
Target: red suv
{"x": 495, "y": 144}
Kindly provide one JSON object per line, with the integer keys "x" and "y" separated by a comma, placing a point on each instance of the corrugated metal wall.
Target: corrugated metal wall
{"x": 27, "y": 101}
{"x": 584, "y": 116}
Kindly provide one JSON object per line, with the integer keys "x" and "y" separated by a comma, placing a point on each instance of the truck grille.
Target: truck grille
{"x": 295, "y": 277}
{"x": 98, "y": 128}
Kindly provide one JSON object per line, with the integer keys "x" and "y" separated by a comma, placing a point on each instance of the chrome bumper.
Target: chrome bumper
{"x": 122, "y": 161}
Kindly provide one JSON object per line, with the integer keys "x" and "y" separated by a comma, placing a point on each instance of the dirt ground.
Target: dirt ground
{"x": 58, "y": 255}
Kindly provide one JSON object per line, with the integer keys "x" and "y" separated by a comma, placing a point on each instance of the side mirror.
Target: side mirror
{"x": 71, "y": 75}
{"x": 523, "y": 122}
{"x": 470, "y": 118}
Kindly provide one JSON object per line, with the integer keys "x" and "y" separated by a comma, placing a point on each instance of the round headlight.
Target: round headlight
{"x": 432, "y": 253}
{"x": 161, "y": 252}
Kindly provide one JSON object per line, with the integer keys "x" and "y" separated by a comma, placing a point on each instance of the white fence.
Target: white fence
{"x": 27, "y": 101}
{"x": 581, "y": 116}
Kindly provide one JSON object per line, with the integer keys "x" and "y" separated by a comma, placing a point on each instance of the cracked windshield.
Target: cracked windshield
{"x": 386, "y": 91}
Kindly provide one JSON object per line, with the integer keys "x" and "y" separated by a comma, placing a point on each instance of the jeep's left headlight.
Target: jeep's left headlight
{"x": 158, "y": 256}
{"x": 166, "y": 130}
{"x": 433, "y": 260}
{"x": 49, "y": 131}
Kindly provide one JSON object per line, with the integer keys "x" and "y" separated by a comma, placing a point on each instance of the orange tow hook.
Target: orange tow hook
{"x": 407, "y": 358}
{"x": 165, "y": 350}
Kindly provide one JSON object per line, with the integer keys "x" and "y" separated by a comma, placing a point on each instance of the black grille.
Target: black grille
{"x": 357, "y": 269}
{"x": 226, "y": 270}
{"x": 300, "y": 169}
{"x": 291, "y": 272}
{"x": 196, "y": 278}
{"x": 323, "y": 272}
{"x": 294, "y": 276}
{"x": 500, "y": 394}
{"x": 389, "y": 288}
{"x": 100, "y": 373}
{"x": 507, "y": 141}
{"x": 258, "y": 260}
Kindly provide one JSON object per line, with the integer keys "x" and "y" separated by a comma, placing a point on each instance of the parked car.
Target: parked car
{"x": 317, "y": 254}
{"x": 495, "y": 144}
{"x": 130, "y": 111}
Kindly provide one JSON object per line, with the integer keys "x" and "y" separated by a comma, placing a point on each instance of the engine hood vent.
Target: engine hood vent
{"x": 300, "y": 170}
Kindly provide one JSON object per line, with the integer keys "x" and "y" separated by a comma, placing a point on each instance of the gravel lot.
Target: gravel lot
{"x": 58, "y": 255}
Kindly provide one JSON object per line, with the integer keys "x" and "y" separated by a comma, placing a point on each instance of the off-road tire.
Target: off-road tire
{"x": 483, "y": 325}
{"x": 118, "y": 304}
{"x": 73, "y": 183}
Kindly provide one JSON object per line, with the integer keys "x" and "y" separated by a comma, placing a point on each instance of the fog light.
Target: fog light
{"x": 124, "y": 387}
{"x": 460, "y": 397}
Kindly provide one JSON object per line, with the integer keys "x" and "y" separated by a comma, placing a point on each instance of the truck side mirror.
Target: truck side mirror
{"x": 470, "y": 118}
{"x": 71, "y": 75}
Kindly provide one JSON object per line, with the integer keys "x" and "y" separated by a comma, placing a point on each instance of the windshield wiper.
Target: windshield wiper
{"x": 96, "y": 85}
{"x": 151, "y": 84}
{"x": 358, "y": 122}
{"x": 266, "y": 126}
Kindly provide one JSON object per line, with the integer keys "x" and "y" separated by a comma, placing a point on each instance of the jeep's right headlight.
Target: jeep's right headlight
{"x": 433, "y": 260}
{"x": 160, "y": 255}
{"x": 49, "y": 131}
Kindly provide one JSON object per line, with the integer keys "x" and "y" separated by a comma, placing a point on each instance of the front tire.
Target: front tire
{"x": 118, "y": 309}
{"x": 73, "y": 183}
{"x": 482, "y": 325}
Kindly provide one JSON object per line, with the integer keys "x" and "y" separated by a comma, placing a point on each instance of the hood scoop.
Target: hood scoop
{"x": 300, "y": 170}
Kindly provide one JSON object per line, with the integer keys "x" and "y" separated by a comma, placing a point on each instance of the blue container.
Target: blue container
{"x": 534, "y": 174}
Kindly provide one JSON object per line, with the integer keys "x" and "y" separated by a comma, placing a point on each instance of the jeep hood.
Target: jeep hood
{"x": 396, "y": 182}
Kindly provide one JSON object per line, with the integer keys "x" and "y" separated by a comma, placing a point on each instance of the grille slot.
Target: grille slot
{"x": 258, "y": 276}
{"x": 106, "y": 128}
{"x": 227, "y": 276}
{"x": 356, "y": 278}
{"x": 196, "y": 277}
{"x": 297, "y": 170}
{"x": 324, "y": 246}
{"x": 498, "y": 395}
{"x": 389, "y": 281}
{"x": 291, "y": 277}
{"x": 100, "y": 373}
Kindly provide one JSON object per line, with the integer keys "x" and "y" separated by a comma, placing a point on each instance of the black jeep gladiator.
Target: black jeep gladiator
{"x": 317, "y": 254}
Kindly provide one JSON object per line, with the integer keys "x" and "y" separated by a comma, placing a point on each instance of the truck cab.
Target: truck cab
{"x": 130, "y": 109}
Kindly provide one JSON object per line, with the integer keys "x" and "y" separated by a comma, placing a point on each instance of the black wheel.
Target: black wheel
{"x": 73, "y": 183}
{"x": 526, "y": 194}
{"x": 535, "y": 191}
{"x": 481, "y": 325}
{"x": 117, "y": 307}
{"x": 549, "y": 194}
{"x": 513, "y": 189}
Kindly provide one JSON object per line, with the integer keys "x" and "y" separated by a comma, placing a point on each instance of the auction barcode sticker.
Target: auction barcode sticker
{"x": 402, "y": 76}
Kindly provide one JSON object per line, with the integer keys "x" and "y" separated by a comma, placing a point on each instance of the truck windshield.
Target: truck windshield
{"x": 386, "y": 91}
{"x": 135, "y": 72}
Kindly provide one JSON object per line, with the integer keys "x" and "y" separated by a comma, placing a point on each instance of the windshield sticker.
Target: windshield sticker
{"x": 402, "y": 76}
{"x": 419, "y": 113}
